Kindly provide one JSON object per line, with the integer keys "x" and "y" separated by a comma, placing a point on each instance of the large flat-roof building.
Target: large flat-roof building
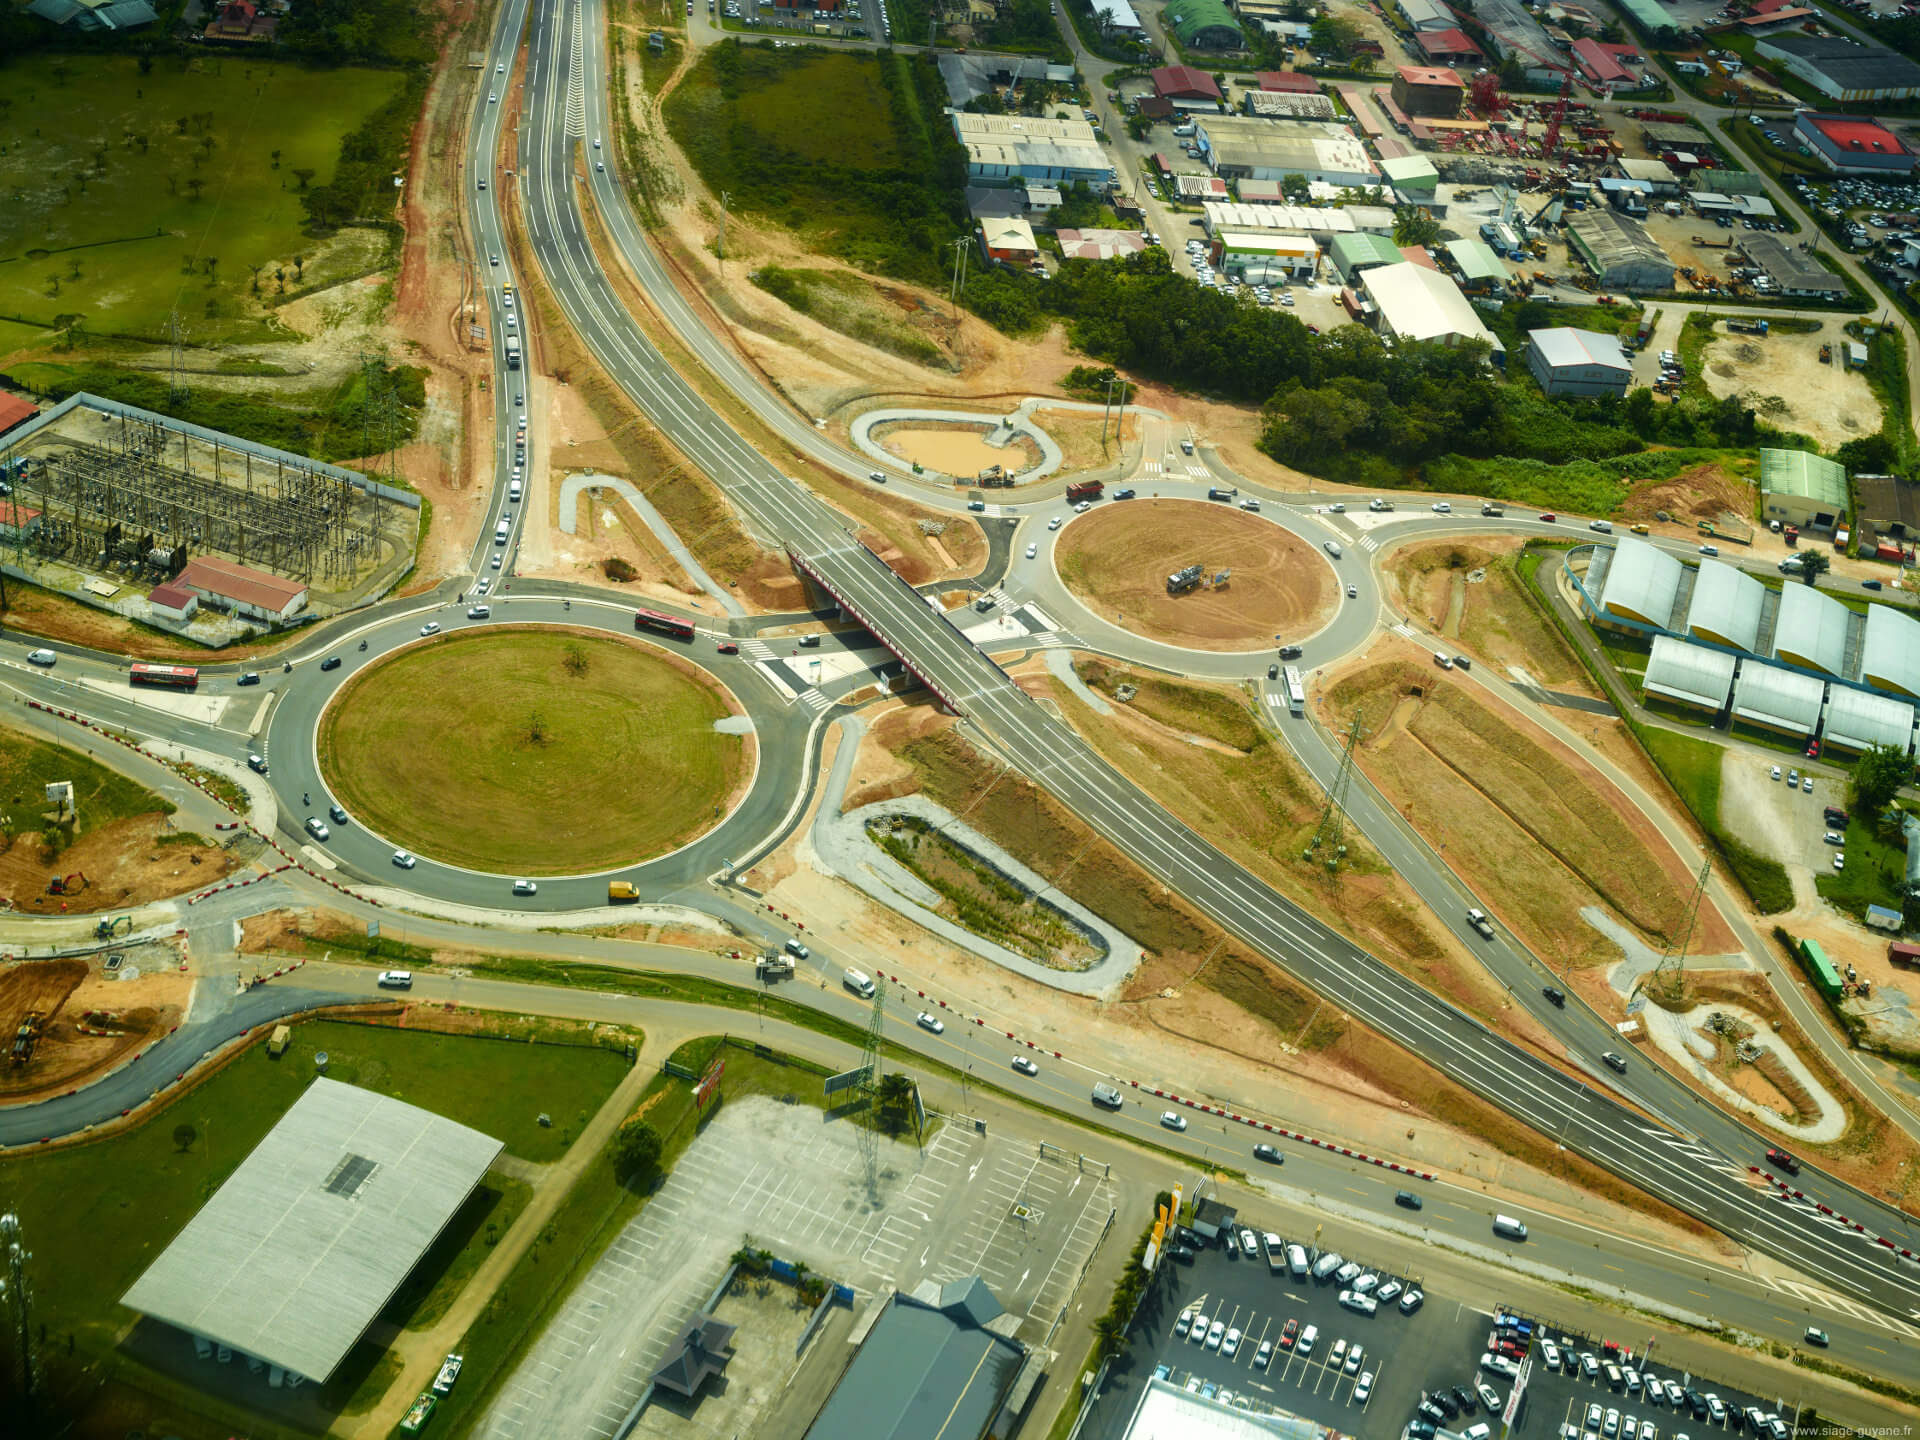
{"x": 1418, "y": 303}
{"x": 1852, "y": 144}
{"x": 1266, "y": 256}
{"x": 1238, "y": 147}
{"x": 1426, "y": 14}
{"x": 1619, "y": 251}
{"x": 1841, "y": 68}
{"x": 1287, "y": 105}
{"x": 1116, "y": 17}
{"x": 1009, "y": 147}
{"x": 1798, "y": 487}
{"x": 1323, "y": 224}
{"x": 299, "y": 1250}
{"x": 1567, "y": 361}
{"x": 940, "y": 1362}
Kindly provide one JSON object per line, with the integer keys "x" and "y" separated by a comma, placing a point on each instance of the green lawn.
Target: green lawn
{"x": 121, "y": 186}
{"x": 96, "y": 1215}
{"x": 101, "y": 796}
{"x": 531, "y": 752}
{"x": 1875, "y": 874}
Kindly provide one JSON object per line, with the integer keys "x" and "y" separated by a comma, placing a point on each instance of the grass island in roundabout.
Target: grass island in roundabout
{"x": 536, "y": 751}
{"x": 1117, "y": 557}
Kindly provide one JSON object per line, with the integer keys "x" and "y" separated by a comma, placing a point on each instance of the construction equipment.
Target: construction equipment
{"x": 1724, "y": 529}
{"x": 1738, "y": 326}
{"x": 67, "y": 884}
{"x": 27, "y": 1036}
{"x": 107, "y": 929}
{"x": 1826, "y": 354}
{"x": 1551, "y": 144}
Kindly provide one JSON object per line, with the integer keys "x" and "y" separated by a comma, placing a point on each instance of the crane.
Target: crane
{"x": 1551, "y": 143}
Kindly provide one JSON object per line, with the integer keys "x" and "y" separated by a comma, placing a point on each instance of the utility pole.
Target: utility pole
{"x": 870, "y": 1091}
{"x": 1332, "y": 831}
{"x": 1670, "y": 975}
{"x": 960, "y": 248}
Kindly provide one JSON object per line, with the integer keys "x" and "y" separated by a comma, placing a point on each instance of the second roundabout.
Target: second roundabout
{"x": 542, "y": 751}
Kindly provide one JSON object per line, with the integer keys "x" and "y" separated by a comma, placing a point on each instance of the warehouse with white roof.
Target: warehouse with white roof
{"x": 299, "y": 1250}
{"x": 1641, "y": 583}
{"x": 1890, "y": 658}
{"x": 1858, "y": 721}
{"x": 1778, "y": 699}
{"x": 1417, "y": 303}
{"x": 1811, "y": 631}
{"x": 1689, "y": 674}
{"x": 1726, "y": 607}
{"x": 1585, "y": 363}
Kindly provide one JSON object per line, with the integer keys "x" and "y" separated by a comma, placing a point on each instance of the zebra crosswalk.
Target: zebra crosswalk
{"x": 814, "y": 700}
{"x": 1367, "y": 542}
{"x": 1814, "y": 1296}
{"x": 758, "y": 649}
{"x": 1150, "y": 467}
{"x": 1048, "y": 639}
{"x": 994, "y": 598}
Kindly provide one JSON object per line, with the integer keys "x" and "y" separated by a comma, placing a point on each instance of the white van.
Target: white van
{"x": 502, "y": 531}
{"x": 1508, "y": 1226}
{"x": 1297, "y": 1261}
{"x": 513, "y": 490}
{"x": 1604, "y": 527}
{"x": 859, "y": 982}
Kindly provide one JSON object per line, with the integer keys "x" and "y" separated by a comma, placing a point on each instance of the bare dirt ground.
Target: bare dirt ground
{"x": 956, "y": 450}
{"x": 1781, "y": 376}
{"x": 89, "y": 1021}
{"x": 1515, "y": 811}
{"x": 1116, "y": 558}
{"x": 1470, "y": 588}
{"x": 1216, "y": 1021}
{"x": 126, "y": 863}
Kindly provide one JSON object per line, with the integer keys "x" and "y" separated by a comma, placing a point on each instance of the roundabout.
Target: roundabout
{"x": 1116, "y": 560}
{"x": 544, "y": 751}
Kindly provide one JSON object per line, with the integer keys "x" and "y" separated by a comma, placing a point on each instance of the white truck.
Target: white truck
{"x": 772, "y": 967}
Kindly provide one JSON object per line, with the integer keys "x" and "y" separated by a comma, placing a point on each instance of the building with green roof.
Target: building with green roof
{"x": 1647, "y": 15}
{"x": 1798, "y": 487}
{"x": 1480, "y": 269}
{"x": 1353, "y": 253}
{"x": 1204, "y": 25}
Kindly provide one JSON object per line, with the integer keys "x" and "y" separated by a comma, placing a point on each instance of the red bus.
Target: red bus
{"x": 175, "y": 677}
{"x": 664, "y": 624}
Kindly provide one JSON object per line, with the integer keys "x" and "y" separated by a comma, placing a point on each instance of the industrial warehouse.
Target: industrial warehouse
{"x": 1784, "y": 659}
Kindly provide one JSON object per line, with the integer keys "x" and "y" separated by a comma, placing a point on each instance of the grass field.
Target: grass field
{"x": 123, "y": 186}
{"x": 532, "y": 752}
{"x": 101, "y": 796}
{"x": 1875, "y": 875}
{"x": 97, "y": 1214}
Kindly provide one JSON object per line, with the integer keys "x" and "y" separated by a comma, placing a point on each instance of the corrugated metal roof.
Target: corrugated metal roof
{"x": 1422, "y": 304}
{"x": 1811, "y": 630}
{"x": 1891, "y": 658}
{"x": 297, "y": 1252}
{"x": 1726, "y": 606}
{"x": 1805, "y": 474}
{"x": 1565, "y": 345}
{"x": 1691, "y": 673}
{"x": 1476, "y": 259}
{"x": 1641, "y": 583}
{"x": 1777, "y": 698}
{"x": 1860, "y": 721}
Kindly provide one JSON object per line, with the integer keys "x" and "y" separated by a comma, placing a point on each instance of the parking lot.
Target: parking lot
{"x": 1438, "y": 1353}
{"x": 789, "y": 1180}
{"x": 846, "y": 24}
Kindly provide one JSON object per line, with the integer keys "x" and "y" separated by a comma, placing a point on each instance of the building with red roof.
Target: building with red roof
{"x": 17, "y": 521}
{"x": 1184, "y": 82}
{"x": 241, "y": 588}
{"x": 1600, "y": 69}
{"x": 1428, "y": 90}
{"x": 15, "y": 411}
{"x": 240, "y": 21}
{"x": 1850, "y": 144}
{"x": 1288, "y": 81}
{"x": 1448, "y": 47}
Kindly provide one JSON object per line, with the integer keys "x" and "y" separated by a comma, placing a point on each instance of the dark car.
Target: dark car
{"x": 1269, "y": 1154}
{"x": 1464, "y": 1399}
{"x": 1126, "y": 494}
{"x": 1420, "y": 1430}
{"x": 1180, "y": 1253}
{"x": 1554, "y": 997}
{"x": 252, "y": 677}
{"x": 1869, "y": 584}
{"x": 1407, "y": 1199}
{"x": 1289, "y": 652}
{"x": 1273, "y": 671}
{"x": 332, "y": 662}
{"x": 339, "y": 814}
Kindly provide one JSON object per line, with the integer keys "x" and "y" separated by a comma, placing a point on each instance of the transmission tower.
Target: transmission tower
{"x": 1330, "y": 839}
{"x": 1670, "y": 975}
{"x": 870, "y": 1092}
{"x": 16, "y": 1302}
{"x": 176, "y": 343}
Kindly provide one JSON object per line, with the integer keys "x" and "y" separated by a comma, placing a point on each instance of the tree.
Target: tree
{"x": 1877, "y": 778}
{"x": 184, "y": 1136}
{"x": 1414, "y": 225}
{"x": 303, "y": 175}
{"x": 196, "y": 185}
{"x": 636, "y": 1150}
{"x": 576, "y": 662}
{"x": 1812, "y": 566}
{"x": 1295, "y": 188}
{"x": 896, "y": 1091}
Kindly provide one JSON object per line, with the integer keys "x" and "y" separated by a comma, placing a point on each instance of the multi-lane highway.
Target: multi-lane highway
{"x": 1689, "y": 1155}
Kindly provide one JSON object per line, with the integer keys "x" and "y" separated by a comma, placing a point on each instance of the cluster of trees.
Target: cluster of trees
{"x": 1341, "y": 403}
{"x": 1027, "y": 26}
{"x": 361, "y": 189}
{"x": 377, "y": 32}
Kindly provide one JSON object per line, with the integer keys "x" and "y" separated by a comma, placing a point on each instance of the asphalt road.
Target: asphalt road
{"x": 1707, "y": 1179}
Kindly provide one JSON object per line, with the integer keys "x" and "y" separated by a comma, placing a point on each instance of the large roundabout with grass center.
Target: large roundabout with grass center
{"x": 1115, "y": 559}
{"x": 534, "y": 751}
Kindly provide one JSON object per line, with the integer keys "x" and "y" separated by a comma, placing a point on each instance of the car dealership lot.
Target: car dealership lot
{"x": 1437, "y": 1348}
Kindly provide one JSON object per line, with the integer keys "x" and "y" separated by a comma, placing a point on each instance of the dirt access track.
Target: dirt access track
{"x": 1116, "y": 559}
{"x": 87, "y": 1021}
